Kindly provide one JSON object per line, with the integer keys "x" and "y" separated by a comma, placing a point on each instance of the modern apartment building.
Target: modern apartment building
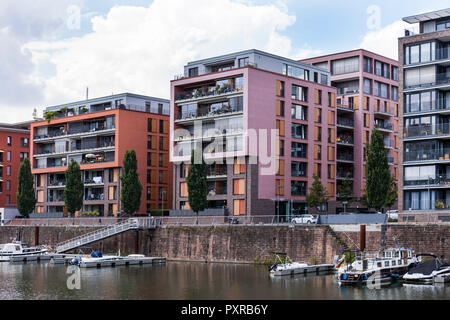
{"x": 237, "y": 96}
{"x": 424, "y": 188}
{"x": 14, "y": 147}
{"x": 367, "y": 98}
{"x": 96, "y": 133}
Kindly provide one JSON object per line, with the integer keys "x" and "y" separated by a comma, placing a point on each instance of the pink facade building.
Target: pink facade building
{"x": 246, "y": 94}
{"x": 367, "y": 98}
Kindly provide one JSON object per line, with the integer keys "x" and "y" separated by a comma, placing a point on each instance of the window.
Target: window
{"x": 242, "y": 62}
{"x": 8, "y": 170}
{"x": 299, "y": 93}
{"x": 8, "y": 185}
{"x": 149, "y": 142}
{"x": 299, "y": 150}
{"x": 238, "y": 207}
{"x": 395, "y": 93}
{"x": 420, "y": 76}
{"x": 149, "y": 176}
{"x": 281, "y": 148}
{"x": 424, "y": 52}
{"x": 299, "y": 131}
{"x": 317, "y": 96}
{"x": 299, "y": 112}
{"x": 24, "y": 142}
{"x": 238, "y": 186}
{"x": 280, "y": 88}
{"x": 149, "y": 125}
{"x": 161, "y": 126}
{"x": 160, "y": 108}
{"x": 296, "y": 72}
{"x": 317, "y": 170}
{"x": 380, "y": 89}
{"x": 367, "y": 86}
{"x": 23, "y": 155}
{"x": 323, "y": 79}
{"x": 161, "y": 160}
{"x": 423, "y": 101}
{"x": 149, "y": 159}
{"x": 318, "y": 115}
{"x": 345, "y": 65}
{"x": 149, "y": 193}
{"x": 386, "y": 263}
{"x": 318, "y": 133}
{"x": 8, "y": 199}
{"x": 394, "y": 73}
{"x": 183, "y": 189}
{"x": 318, "y": 152}
{"x": 298, "y": 188}
{"x": 193, "y": 72}
{"x": 299, "y": 169}
{"x": 9, "y": 141}
{"x": 148, "y": 106}
{"x": 280, "y": 108}
{"x": 367, "y": 65}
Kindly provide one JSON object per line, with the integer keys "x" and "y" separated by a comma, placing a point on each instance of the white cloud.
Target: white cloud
{"x": 139, "y": 50}
{"x": 385, "y": 40}
{"x": 21, "y": 22}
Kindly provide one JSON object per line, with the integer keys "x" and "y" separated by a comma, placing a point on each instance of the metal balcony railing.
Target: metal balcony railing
{"x": 424, "y": 130}
{"x": 443, "y": 154}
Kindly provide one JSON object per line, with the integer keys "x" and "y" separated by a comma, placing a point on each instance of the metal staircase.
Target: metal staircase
{"x": 109, "y": 231}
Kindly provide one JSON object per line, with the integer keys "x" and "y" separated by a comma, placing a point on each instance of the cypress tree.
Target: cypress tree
{"x": 26, "y": 199}
{"x": 378, "y": 175}
{"x": 74, "y": 190}
{"x": 131, "y": 186}
{"x": 345, "y": 190}
{"x": 317, "y": 195}
{"x": 196, "y": 183}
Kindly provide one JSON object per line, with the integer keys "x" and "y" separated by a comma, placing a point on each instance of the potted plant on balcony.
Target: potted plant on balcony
{"x": 439, "y": 204}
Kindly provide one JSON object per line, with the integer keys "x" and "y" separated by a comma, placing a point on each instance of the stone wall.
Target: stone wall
{"x": 248, "y": 244}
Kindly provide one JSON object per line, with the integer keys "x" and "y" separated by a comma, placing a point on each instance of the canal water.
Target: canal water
{"x": 191, "y": 281}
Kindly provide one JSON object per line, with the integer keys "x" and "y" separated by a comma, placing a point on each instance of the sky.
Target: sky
{"x": 51, "y": 50}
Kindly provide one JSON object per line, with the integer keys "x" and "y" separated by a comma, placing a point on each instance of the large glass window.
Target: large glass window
{"x": 420, "y": 101}
{"x": 424, "y": 52}
{"x": 299, "y": 93}
{"x": 367, "y": 64}
{"x": 299, "y": 150}
{"x": 299, "y": 131}
{"x": 298, "y": 188}
{"x": 395, "y": 93}
{"x": 298, "y": 169}
{"x": 299, "y": 112}
{"x": 345, "y": 65}
{"x": 296, "y": 72}
{"x": 367, "y": 86}
{"x": 420, "y": 76}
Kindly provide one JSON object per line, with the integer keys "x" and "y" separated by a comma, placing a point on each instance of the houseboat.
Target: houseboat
{"x": 17, "y": 248}
{"x": 385, "y": 266}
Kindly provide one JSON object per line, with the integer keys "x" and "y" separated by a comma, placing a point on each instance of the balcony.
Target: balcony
{"x": 344, "y": 107}
{"x": 206, "y": 93}
{"x": 345, "y": 157}
{"x": 422, "y": 182}
{"x": 73, "y": 133}
{"x": 216, "y": 171}
{"x": 75, "y": 149}
{"x": 383, "y": 126}
{"x": 426, "y": 131}
{"x": 345, "y": 140}
{"x": 441, "y": 55}
{"x": 209, "y": 111}
{"x": 343, "y": 122}
{"x": 341, "y": 175}
{"x": 430, "y": 156}
{"x": 94, "y": 197}
{"x": 440, "y": 80}
{"x": 94, "y": 181}
{"x": 383, "y": 111}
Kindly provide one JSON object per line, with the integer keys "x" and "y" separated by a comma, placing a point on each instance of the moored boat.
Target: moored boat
{"x": 385, "y": 266}
{"x": 17, "y": 249}
{"x": 427, "y": 270}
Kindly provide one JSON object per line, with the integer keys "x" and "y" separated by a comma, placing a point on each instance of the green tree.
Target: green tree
{"x": 74, "y": 190}
{"x": 392, "y": 193}
{"x": 378, "y": 175}
{"x": 196, "y": 183}
{"x": 131, "y": 186}
{"x": 345, "y": 190}
{"x": 317, "y": 195}
{"x": 26, "y": 199}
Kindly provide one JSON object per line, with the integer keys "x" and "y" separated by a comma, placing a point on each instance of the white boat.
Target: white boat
{"x": 285, "y": 266}
{"x": 386, "y": 265}
{"x": 17, "y": 249}
{"x": 426, "y": 271}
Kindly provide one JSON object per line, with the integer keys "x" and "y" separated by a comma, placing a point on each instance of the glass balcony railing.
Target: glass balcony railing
{"x": 207, "y": 92}
{"x": 384, "y": 110}
{"x": 58, "y": 134}
{"x": 345, "y": 122}
{"x": 443, "y": 154}
{"x": 345, "y": 140}
{"x": 343, "y": 174}
{"x": 424, "y": 130}
{"x": 76, "y": 148}
{"x": 94, "y": 197}
{"x": 216, "y": 171}
{"x": 345, "y": 157}
{"x": 210, "y": 111}
{"x": 425, "y": 181}
{"x": 438, "y": 79}
{"x": 383, "y": 125}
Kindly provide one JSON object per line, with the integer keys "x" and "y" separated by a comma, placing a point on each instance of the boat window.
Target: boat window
{"x": 379, "y": 264}
{"x": 399, "y": 262}
{"x": 386, "y": 263}
{"x": 396, "y": 254}
{"x": 393, "y": 263}
{"x": 409, "y": 254}
{"x": 388, "y": 254}
{"x": 17, "y": 248}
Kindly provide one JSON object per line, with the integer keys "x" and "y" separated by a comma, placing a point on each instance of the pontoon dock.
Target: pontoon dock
{"x": 307, "y": 269}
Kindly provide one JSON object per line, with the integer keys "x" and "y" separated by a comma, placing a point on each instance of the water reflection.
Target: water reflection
{"x": 183, "y": 280}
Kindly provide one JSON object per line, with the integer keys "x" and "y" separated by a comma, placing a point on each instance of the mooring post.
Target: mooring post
{"x": 136, "y": 242}
{"x": 36, "y": 235}
{"x": 362, "y": 237}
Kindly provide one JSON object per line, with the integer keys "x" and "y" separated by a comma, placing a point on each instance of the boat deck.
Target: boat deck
{"x": 307, "y": 269}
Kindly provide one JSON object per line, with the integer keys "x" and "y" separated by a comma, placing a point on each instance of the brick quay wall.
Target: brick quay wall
{"x": 246, "y": 244}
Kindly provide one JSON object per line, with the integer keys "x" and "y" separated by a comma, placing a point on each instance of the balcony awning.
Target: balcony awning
{"x": 428, "y": 16}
